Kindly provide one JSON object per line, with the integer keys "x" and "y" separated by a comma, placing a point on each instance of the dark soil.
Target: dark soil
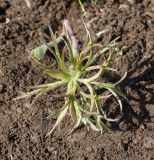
{"x": 23, "y": 128}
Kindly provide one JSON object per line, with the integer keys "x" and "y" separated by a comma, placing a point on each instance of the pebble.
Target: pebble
{"x": 142, "y": 127}
{"x": 52, "y": 150}
{"x": 1, "y": 88}
{"x": 120, "y": 147}
{"x": 123, "y": 126}
{"x": 148, "y": 143}
{"x": 34, "y": 137}
{"x": 136, "y": 139}
{"x": 123, "y": 6}
{"x": 27, "y": 105}
{"x": 28, "y": 3}
{"x": 7, "y": 20}
{"x": 131, "y": 1}
{"x": 19, "y": 110}
{"x": 4, "y": 5}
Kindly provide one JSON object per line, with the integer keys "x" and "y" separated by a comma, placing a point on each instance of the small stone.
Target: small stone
{"x": 7, "y": 20}
{"x": 51, "y": 149}
{"x": 1, "y": 88}
{"x": 34, "y": 137}
{"x": 19, "y": 110}
{"x": 27, "y": 105}
{"x": 148, "y": 143}
{"x": 123, "y": 6}
{"x": 123, "y": 126}
{"x": 131, "y": 1}
{"x": 120, "y": 147}
{"x": 28, "y": 3}
{"x": 142, "y": 127}
{"x": 135, "y": 141}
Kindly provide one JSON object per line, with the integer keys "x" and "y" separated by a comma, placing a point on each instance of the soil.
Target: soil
{"x": 23, "y": 129}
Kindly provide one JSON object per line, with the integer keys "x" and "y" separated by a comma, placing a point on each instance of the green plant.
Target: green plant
{"x": 82, "y": 100}
{"x": 93, "y": 1}
{"x": 82, "y": 6}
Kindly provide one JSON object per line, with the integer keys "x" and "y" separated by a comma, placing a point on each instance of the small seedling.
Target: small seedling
{"x": 82, "y": 101}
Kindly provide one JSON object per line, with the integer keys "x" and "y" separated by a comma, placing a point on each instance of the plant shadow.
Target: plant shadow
{"x": 137, "y": 86}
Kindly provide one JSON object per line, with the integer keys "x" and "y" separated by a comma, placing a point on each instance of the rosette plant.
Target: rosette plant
{"x": 81, "y": 100}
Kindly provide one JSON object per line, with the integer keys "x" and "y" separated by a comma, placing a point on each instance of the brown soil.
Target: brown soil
{"x": 23, "y": 129}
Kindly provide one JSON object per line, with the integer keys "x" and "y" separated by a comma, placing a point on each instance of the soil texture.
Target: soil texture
{"x": 23, "y": 129}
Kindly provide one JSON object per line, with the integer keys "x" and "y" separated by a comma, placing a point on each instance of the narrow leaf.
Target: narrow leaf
{"x": 78, "y": 115}
{"x": 92, "y": 93}
{"x": 94, "y": 77}
{"x": 28, "y": 94}
{"x": 92, "y": 126}
{"x": 60, "y": 118}
{"x": 58, "y": 74}
{"x": 50, "y": 85}
{"x": 57, "y": 53}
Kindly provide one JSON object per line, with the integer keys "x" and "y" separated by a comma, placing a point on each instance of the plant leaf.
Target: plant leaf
{"x": 110, "y": 86}
{"x": 58, "y": 74}
{"x": 113, "y": 89}
{"x": 90, "y": 40}
{"x": 70, "y": 51}
{"x": 78, "y": 116}
{"x": 92, "y": 93}
{"x": 72, "y": 86}
{"x": 57, "y": 53}
{"x": 92, "y": 126}
{"x": 60, "y": 118}
{"x": 94, "y": 77}
{"x": 50, "y": 85}
{"x": 100, "y": 123}
{"x": 117, "y": 97}
{"x": 39, "y": 52}
{"x": 28, "y": 94}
